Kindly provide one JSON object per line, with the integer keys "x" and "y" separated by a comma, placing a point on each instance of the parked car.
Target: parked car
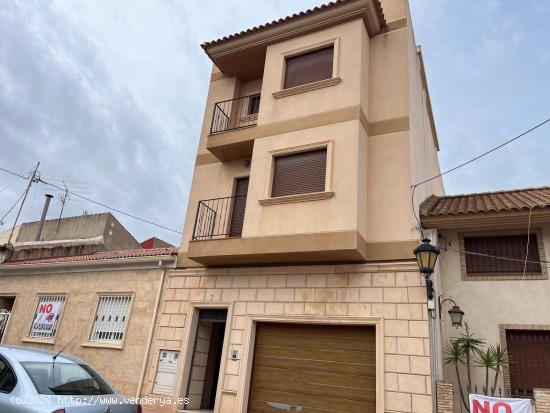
{"x": 38, "y": 381}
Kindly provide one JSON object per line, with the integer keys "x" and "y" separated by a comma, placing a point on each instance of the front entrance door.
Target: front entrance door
{"x": 239, "y": 205}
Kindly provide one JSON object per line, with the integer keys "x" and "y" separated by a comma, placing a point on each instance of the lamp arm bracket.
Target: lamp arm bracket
{"x": 441, "y": 300}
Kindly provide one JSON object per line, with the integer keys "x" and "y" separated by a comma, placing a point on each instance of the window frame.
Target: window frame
{"x": 503, "y": 343}
{"x": 10, "y": 368}
{"x": 45, "y": 340}
{"x": 465, "y": 276}
{"x": 312, "y": 47}
{"x": 309, "y": 196}
{"x": 119, "y": 344}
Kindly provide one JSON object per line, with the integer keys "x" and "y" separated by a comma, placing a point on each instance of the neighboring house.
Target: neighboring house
{"x": 75, "y": 290}
{"x": 154, "y": 242}
{"x": 297, "y": 288}
{"x": 70, "y": 236}
{"x": 505, "y": 301}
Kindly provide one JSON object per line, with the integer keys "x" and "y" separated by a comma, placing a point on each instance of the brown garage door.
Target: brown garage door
{"x": 313, "y": 369}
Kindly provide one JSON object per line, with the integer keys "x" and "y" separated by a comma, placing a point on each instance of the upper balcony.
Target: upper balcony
{"x": 233, "y": 115}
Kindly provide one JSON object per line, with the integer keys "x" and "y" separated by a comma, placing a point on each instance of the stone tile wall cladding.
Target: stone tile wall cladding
{"x": 542, "y": 400}
{"x": 394, "y": 292}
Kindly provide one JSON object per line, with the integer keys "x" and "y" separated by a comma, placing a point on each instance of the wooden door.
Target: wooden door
{"x": 313, "y": 369}
{"x": 239, "y": 206}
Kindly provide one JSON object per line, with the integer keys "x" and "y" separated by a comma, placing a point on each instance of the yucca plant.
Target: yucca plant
{"x": 470, "y": 346}
{"x": 454, "y": 355}
{"x": 486, "y": 359}
{"x": 501, "y": 360}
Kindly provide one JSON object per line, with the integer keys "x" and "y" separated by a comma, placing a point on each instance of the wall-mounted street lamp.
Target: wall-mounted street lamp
{"x": 455, "y": 312}
{"x": 426, "y": 256}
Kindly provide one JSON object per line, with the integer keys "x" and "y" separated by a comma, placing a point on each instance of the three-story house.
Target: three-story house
{"x": 297, "y": 288}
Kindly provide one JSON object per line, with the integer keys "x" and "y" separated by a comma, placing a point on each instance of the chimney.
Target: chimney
{"x": 44, "y": 213}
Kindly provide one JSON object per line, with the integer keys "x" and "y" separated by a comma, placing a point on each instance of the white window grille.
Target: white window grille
{"x": 110, "y": 318}
{"x": 46, "y": 316}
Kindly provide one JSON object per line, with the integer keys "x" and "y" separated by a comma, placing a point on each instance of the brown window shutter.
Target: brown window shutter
{"x": 309, "y": 67}
{"x": 299, "y": 173}
{"x": 529, "y": 352}
{"x": 509, "y": 246}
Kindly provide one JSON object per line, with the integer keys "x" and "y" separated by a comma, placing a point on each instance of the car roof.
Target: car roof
{"x": 25, "y": 354}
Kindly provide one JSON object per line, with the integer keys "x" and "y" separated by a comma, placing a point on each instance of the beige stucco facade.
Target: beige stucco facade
{"x": 81, "y": 284}
{"x": 342, "y": 256}
{"x": 495, "y": 303}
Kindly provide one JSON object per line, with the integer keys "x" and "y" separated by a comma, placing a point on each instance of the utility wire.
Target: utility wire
{"x": 32, "y": 180}
{"x": 11, "y": 209}
{"x": 109, "y": 207}
{"x": 14, "y": 173}
{"x": 42, "y": 181}
{"x": 484, "y": 153}
{"x": 413, "y": 187}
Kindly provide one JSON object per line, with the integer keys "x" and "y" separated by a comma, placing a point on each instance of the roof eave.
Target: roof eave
{"x": 113, "y": 264}
{"x": 369, "y": 10}
{"x": 485, "y": 219}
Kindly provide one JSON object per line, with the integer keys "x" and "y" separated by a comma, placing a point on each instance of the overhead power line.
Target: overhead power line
{"x": 109, "y": 207}
{"x": 11, "y": 208}
{"x": 14, "y": 173}
{"x": 42, "y": 181}
{"x": 484, "y": 153}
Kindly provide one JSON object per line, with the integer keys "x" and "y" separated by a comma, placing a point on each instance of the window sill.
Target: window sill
{"x": 312, "y": 196}
{"x": 38, "y": 340}
{"x": 504, "y": 277}
{"x": 116, "y": 346}
{"x": 307, "y": 87}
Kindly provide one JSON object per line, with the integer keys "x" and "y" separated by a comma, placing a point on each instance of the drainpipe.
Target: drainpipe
{"x": 434, "y": 359}
{"x": 43, "y": 218}
{"x": 162, "y": 266}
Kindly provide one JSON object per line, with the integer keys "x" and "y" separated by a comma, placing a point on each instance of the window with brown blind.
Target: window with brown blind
{"x": 299, "y": 173}
{"x": 529, "y": 352}
{"x": 309, "y": 67}
{"x": 509, "y": 246}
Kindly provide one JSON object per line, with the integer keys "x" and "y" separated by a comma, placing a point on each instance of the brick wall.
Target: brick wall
{"x": 445, "y": 397}
{"x": 542, "y": 400}
{"x": 395, "y": 293}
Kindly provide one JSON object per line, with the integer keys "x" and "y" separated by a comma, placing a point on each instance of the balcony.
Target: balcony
{"x": 219, "y": 218}
{"x": 227, "y": 140}
{"x": 235, "y": 114}
{"x": 217, "y": 240}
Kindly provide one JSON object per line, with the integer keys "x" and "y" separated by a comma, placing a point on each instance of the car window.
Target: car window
{"x": 8, "y": 381}
{"x": 68, "y": 379}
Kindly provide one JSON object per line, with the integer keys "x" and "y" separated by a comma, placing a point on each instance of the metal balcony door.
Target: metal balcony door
{"x": 239, "y": 205}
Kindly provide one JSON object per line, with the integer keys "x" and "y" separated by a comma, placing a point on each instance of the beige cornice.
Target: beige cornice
{"x": 237, "y": 144}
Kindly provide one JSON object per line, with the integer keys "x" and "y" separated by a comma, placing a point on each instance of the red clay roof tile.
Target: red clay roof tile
{"x": 512, "y": 200}
{"x": 96, "y": 256}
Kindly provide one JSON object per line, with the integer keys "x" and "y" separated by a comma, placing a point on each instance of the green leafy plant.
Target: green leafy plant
{"x": 501, "y": 360}
{"x": 454, "y": 355}
{"x": 471, "y": 346}
{"x": 486, "y": 359}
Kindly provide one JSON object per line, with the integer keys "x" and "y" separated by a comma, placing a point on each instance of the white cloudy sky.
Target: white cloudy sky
{"x": 109, "y": 94}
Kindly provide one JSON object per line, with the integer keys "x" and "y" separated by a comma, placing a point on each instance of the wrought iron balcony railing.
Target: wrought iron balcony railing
{"x": 219, "y": 218}
{"x": 235, "y": 114}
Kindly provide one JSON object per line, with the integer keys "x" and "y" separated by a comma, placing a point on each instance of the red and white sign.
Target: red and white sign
{"x": 46, "y": 317}
{"x": 485, "y": 404}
